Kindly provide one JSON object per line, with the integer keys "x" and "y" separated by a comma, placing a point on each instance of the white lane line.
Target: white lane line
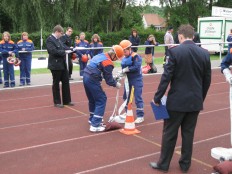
{"x": 144, "y": 156}
{"x": 118, "y": 163}
{"x": 53, "y": 143}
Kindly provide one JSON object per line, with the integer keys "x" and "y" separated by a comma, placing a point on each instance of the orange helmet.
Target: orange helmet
{"x": 125, "y": 44}
{"x": 84, "y": 58}
{"x": 118, "y": 51}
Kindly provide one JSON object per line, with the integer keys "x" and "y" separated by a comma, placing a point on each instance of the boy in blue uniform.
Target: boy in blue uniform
{"x": 25, "y": 67}
{"x": 131, "y": 65}
{"x": 227, "y": 60}
{"x": 100, "y": 66}
{"x": 80, "y": 53}
{"x": 1, "y": 66}
{"x": 8, "y": 48}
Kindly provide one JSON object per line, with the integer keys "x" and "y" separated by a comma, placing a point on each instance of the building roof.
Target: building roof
{"x": 154, "y": 19}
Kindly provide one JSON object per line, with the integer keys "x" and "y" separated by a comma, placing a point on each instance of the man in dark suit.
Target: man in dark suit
{"x": 188, "y": 72}
{"x": 67, "y": 41}
{"x": 58, "y": 67}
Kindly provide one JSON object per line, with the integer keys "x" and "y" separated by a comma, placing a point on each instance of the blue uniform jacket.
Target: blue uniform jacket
{"x": 227, "y": 60}
{"x": 96, "y": 51}
{"x": 5, "y": 47}
{"x": 133, "y": 62}
{"x": 81, "y": 43}
{"x": 28, "y": 45}
{"x": 98, "y": 65}
{"x": 229, "y": 39}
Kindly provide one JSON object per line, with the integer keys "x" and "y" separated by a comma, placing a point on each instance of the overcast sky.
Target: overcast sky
{"x": 153, "y": 3}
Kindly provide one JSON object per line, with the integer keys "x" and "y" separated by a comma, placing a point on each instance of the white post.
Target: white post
{"x": 67, "y": 61}
{"x": 41, "y": 39}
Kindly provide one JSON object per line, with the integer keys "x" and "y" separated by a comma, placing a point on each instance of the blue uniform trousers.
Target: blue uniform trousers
{"x": 82, "y": 67}
{"x": 1, "y": 67}
{"x": 97, "y": 99}
{"x": 8, "y": 70}
{"x": 138, "y": 90}
{"x": 25, "y": 70}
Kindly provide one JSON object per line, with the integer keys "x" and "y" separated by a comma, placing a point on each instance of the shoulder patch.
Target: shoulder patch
{"x": 11, "y": 42}
{"x": 77, "y": 41}
{"x": 107, "y": 62}
{"x": 100, "y": 43}
{"x": 133, "y": 54}
{"x": 29, "y": 40}
{"x": 86, "y": 41}
{"x": 2, "y": 42}
{"x": 19, "y": 41}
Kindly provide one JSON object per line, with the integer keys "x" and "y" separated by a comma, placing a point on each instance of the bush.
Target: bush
{"x": 108, "y": 39}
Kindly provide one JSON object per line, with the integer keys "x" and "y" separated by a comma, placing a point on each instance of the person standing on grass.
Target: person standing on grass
{"x": 8, "y": 48}
{"x": 134, "y": 39}
{"x": 58, "y": 68}
{"x": 25, "y": 66}
{"x": 150, "y": 52}
{"x": 168, "y": 39}
{"x": 188, "y": 72}
{"x": 82, "y": 54}
{"x": 96, "y": 42}
{"x": 67, "y": 41}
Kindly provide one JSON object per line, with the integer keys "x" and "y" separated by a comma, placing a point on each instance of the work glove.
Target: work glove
{"x": 118, "y": 85}
{"x": 117, "y": 78}
{"x": 125, "y": 70}
{"x": 227, "y": 75}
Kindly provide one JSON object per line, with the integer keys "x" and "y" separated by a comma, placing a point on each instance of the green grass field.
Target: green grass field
{"x": 158, "y": 60}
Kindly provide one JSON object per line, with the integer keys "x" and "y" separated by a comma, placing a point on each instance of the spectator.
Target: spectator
{"x": 8, "y": 48}
{"x": 96, "y": 42}
{"x": 150, "y": 53}
{"x": 196, "y": 38}
{"x": 82, "y": 54}
{"x": 1, "y": 67}
{"x": 190, "y": 80}
{"x": 168, "y": 39}
{"x": 25, "y": 66}
{"x": 229, "y": 39}
{"x": 67, "y": 41}
{"x": 100, "y": 66}
{"x": 131, "y": 65}
{"x": 134, "y": 39}
{"x": 58, "y": 68}
{"x": 227, "y": 60}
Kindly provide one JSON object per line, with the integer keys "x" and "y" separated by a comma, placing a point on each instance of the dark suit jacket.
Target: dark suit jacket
{"x": 56, "y": 51}
{"x": 189, "y": 74}
{"x": 67, "y": 41}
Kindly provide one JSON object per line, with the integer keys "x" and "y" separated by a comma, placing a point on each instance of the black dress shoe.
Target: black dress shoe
{"x": 184, "y": 170}
{"x": 59, "y": 105}
{"x": 69, "y": 104}
{"x": 155, "y": 166}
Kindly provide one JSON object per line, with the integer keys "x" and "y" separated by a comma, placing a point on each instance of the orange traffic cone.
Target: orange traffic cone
{"x": 129, "y": 127}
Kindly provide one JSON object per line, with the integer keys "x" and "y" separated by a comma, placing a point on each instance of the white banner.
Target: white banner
{"x": 221, "y": 11}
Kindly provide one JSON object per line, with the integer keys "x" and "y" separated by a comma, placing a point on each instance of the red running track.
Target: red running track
{"x": 37, "y": 138}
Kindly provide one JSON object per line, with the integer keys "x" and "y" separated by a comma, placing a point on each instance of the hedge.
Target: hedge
{"x": 108, "y": 39}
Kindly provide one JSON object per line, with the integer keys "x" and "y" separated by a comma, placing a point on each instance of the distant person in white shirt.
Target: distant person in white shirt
{"x": 168, "y": 39}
